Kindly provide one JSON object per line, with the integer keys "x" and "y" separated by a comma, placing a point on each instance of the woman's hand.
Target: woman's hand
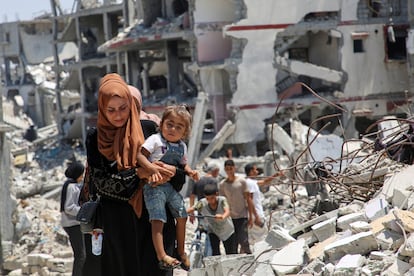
{"x": 166, "y": 171}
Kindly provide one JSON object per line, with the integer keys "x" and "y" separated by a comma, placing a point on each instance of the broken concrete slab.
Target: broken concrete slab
{"x": 361, "y": 243}
{"x": 375, "y": 208}
{"x": 344, "y": 222}
{"x": 349, "y": 264}
{"x": 304, "y": 227}
{"x": 224, "y": 265}
{"x": 389, "y": 240}
{"x": 380, "y": 223}
{"x": 325, "y": 229}
{"x": 360, "y": 226}
{"x": 397, "y": 268}
{"x": 405, "y": 219}
{"x": 278, "y": 237}
{"x": 407, "y": 248}
{"x": 290, "y": 258}
{"x": 317, "y": 251}
{"x": 401, "y": 179}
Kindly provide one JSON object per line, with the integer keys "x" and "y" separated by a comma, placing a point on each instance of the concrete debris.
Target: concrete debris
{"x": 366, "y": 234}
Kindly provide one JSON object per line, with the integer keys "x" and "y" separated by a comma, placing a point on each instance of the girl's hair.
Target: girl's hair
{"x": 182, "y": 111}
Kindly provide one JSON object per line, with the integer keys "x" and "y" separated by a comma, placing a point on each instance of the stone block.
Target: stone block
{"x": 344, "y": 221}
{"x": 59, "y": 264}
{"x": 17, "y": 272}
{"x": 350, "y": 262}
{"x": 397, "y": 268}
{"x": 360, "y": 226}
{"x": 389, "y": 240}
{"x": 278, "y": 237}
{"x": 309, "y": 238}
{"x": 379, "y": 224}
{"x": 407, "y": 248}
{"x": 401, "y": 197}
{"x": 38, "y": 259}
{"x": 12, "y": 264}
{"x": 405, "y": 219}
{"x": 290, "y": 258}
{"x": 325, "y": 229}
{"x": 224, "y": 265}
{"x": 361, "y": 243}
{"x": 376, "y": 208}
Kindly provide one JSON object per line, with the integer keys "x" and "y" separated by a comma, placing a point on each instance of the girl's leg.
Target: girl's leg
{"x": 157, "y": 238}
{"x": 180, "y": 232}
{"x": 185, "y": 261}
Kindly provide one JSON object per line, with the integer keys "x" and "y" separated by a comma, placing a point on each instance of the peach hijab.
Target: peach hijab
{"x": 118, "y": 144}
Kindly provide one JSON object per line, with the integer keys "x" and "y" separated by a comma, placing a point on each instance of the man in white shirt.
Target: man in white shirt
{"x": 258, "y": 231}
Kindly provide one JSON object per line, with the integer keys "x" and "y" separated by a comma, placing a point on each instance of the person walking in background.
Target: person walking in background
{"x": 216, "y": 210}
{"x": 212, "y": 172}
{"x": 169, "y": 147}
{"x": 210, "y": 178}
{"x": 229, "y": 153}
{"x": 69, "y": 208}
{"x": 258, "y": 230}
{"x": 235, "y": 189}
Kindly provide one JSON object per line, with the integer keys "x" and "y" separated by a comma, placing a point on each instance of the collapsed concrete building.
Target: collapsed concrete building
{"x": 256, "y": 63}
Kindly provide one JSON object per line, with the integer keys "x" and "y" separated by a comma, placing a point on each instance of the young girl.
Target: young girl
{"x": 69, "y": 208}
{"x": 168, "y": 146}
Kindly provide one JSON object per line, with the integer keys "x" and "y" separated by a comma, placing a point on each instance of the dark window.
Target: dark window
{"x": 358, "y": 46}
{"x": 396, "y": 46}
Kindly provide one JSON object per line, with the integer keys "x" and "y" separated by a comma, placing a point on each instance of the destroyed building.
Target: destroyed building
{"x": 255, "y": 63}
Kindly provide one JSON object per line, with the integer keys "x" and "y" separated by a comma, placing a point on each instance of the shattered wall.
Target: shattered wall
{"x": 36, "y": 40}
{"x": 256, "y": 74}
{"x": 6, "y": 225}
{"x": 378, "y": 79}
{"x": 210, "y": 16}
{"x": 10, "y": 39}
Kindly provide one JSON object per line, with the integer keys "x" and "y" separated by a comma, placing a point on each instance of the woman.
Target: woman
{"x": 113, "y": 168}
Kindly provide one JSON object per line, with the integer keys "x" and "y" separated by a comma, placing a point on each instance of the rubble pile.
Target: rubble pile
{"x": 40, "y": 246}
{"x": 359, "y": 238}
{"x": 367, "y": 229}
{"x": 357, "y": 221}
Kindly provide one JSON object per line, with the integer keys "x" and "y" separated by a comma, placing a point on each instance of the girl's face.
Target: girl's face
{"x": 173, "y": 128}
{"x": 117, "y": 111}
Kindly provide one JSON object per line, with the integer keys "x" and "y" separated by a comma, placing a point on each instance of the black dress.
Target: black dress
{"x": 127, "y": 247}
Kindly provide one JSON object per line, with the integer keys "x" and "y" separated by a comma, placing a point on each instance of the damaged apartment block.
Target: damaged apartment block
{"x": 255, "y": 64}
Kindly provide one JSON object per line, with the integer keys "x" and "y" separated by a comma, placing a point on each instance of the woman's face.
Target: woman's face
{"x": 117, "y": 111}
{"x": 173, "y": 128}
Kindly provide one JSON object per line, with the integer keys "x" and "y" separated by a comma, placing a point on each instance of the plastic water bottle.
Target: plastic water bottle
{"x": 97, "y": 237}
